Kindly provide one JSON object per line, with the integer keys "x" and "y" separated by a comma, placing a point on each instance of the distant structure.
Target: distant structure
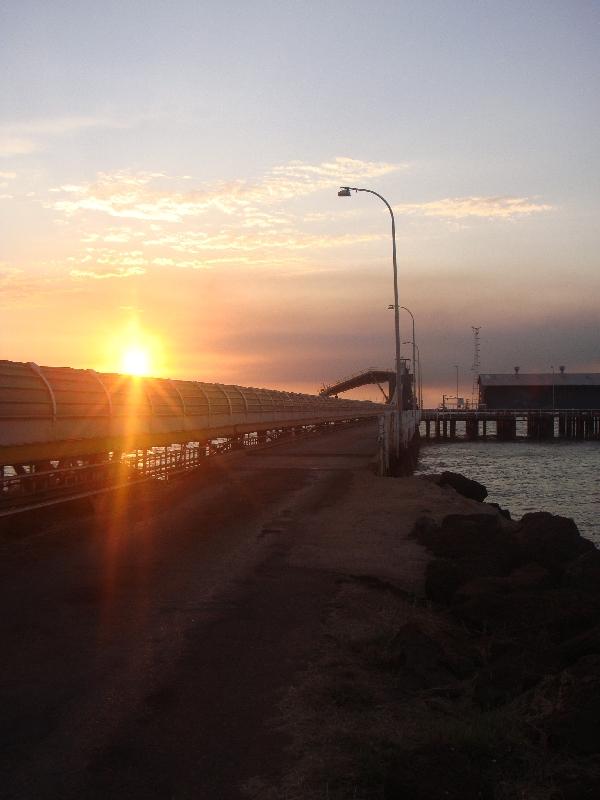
{"x": 540, "y": 391}
{"x": 476, "y": 363}
{"x": 375, "y": 376}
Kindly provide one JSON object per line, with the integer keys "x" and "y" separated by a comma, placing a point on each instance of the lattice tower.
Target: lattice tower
{"x": 476, "y": 365}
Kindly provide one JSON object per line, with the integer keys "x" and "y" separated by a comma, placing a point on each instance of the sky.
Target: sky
{"x": 169, "y": 176}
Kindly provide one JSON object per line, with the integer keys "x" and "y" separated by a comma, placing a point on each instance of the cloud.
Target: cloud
{"x": 156, "y": 197}
{"x": 232, "y": 239}
{"x": 22, "y": 138}
{"x": 19, "y": 289}
{"x": 119, "y": 272}
{"x": 15, "y": 145}
{"x": 486, "y": 207}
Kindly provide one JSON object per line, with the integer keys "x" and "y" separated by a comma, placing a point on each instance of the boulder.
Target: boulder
{"x": 440, "y": 769}
{"x": 551, "y": 540}
{"x": 464, "y": 486}
{"x": 577, "y": 647}
{"x": 507, "y": 678}
{"x": 443, "y": 576}
{"x": 423, "y": 659}
{"x": 512, "y": 613}
{"x": 584, "y": 572}
{"x": 479, "y": 586}
{"x": 481, "y": 537}
{"x": 573, "y": 722}
{"x": 504, "y": 511}
{"x": 529, "y": 577}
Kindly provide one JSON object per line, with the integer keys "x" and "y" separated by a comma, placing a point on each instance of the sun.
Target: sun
{"x": 136, "y": 361}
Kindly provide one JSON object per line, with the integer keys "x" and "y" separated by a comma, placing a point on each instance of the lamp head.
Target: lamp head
{"x": 344, "y": 191}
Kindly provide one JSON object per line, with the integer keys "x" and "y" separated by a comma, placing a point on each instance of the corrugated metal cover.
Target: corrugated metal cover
{"x": 524, "y": 379}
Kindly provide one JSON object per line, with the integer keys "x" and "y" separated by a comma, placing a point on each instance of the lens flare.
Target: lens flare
{"x": 136, "y": 361}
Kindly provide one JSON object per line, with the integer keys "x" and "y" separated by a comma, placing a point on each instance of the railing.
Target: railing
{"x": 38, "y": 484}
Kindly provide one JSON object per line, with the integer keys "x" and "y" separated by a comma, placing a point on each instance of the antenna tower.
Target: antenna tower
{"x": 476, "y": 365}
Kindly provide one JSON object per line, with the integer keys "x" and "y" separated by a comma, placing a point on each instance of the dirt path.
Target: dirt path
{"x": 145, "y": 651}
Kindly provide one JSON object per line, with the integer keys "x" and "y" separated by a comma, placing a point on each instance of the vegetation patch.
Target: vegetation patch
{"x": 457, "y": 698}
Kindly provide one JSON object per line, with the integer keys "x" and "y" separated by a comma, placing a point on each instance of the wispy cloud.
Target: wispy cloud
{"x": 20, "y": 289}
{"x": 22, "y": 138}
{"x": 155, "y": 197}
{"x": 11, "y": 145}
{"x": 486, "y": 207}
{"x": 230, "y": 239}
{"x": 119, "y": 272}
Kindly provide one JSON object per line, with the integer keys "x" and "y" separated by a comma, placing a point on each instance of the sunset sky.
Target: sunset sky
{"x": 169, "y": 176}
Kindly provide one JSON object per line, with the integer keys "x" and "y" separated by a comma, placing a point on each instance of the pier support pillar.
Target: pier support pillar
{"x": 472, "y": 427}
{"x": 507, "y": 429}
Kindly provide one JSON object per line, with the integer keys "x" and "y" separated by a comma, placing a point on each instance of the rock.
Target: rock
{"x": 551, "y": 540}
{"x": 573, "y": 722}
{"x": 464, "y": 486}
{"x": 440, "y": 769}
{"x": 469, "y": 533}
{"x": 529, "y": 577}
{"x": 507, "y": 678}
{"x": 577, "y": 647}
{"x": 584, "y": 572}
{"x": 425, "y": 530}
{"x": 577, "y": 780}
{"x": 480, "y": 537}
{"x": 504, "y": 511}
{"x": 512, "y": 613}
{"x": 479, "y": 586}
{"x": 443, "y": 576}
{"x": 419, "y": 656}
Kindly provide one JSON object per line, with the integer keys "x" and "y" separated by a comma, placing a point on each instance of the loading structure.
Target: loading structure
{"x": 64, "y": 430}
{"x": 375, "y": 376}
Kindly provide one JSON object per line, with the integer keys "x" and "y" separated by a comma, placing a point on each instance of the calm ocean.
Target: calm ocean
{"x": 560, "y": 477}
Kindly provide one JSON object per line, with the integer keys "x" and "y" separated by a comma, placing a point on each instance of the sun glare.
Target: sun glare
{"x": 136, "y": 361}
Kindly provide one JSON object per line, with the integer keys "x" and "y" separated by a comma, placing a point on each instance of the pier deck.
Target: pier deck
{"x": 509, "y": 424}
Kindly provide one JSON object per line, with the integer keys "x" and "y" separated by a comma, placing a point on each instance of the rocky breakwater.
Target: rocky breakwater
{"x": 484, "y": 685}
{"x": 527, "y": 593}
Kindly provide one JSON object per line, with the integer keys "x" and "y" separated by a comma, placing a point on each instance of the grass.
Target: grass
{"x": 359, "y": 719}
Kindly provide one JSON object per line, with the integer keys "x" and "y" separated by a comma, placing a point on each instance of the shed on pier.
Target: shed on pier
{"x": 553, "y": 390}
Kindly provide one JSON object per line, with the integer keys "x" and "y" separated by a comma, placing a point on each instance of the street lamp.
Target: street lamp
{"x": 413, "y": 340}
{"x": 418, "y": 388}
{"x": 345, "y": 191}
{"x": 456, "y": 368}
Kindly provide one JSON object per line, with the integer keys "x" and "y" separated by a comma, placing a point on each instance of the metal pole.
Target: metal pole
{"x": 420, "y": 382}
{"x": 414, "y": 362}
{"x": 396, "y": 315}
{"x": 456, "y": 368}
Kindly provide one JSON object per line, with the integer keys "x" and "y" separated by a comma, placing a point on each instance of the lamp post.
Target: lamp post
{"x": 418, "y": 384}
{"x": 413, "y": 343}
{"x": 345, "y": 191}
{"x": 456, "y": 368}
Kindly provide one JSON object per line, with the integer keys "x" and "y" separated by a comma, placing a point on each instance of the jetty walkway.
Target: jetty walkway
{"x": 147, "y": 643}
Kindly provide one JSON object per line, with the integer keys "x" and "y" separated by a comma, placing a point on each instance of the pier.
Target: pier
{"x": 510, "y": 424}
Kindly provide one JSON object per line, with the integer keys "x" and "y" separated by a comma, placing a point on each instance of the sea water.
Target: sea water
{"x": 524, "y": 476}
